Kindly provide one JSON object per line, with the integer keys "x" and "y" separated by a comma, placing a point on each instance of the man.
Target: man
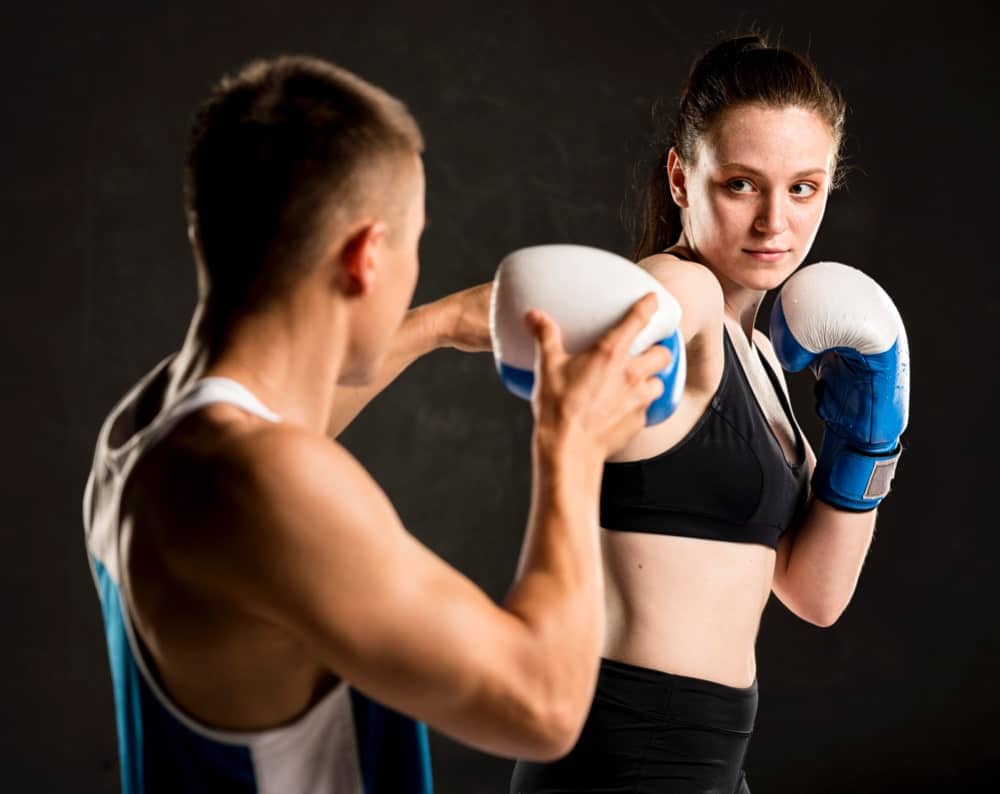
{"x": 248, "y": 566}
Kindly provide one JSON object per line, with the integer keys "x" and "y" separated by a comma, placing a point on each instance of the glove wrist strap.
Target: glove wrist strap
{"x": 851, "y": 479}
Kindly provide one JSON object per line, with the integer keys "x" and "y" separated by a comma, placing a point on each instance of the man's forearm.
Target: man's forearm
{"x": 421, "y": 331}
{"x": 459, "y": 320}
{"x": 558, "y": 592}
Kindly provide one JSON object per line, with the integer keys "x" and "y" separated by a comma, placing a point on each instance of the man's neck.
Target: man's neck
{"x": 289, "y": 356}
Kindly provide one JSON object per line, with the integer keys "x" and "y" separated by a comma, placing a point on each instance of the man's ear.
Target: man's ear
{"x": 359, "y": 255}
{"x": 677, "y": 179}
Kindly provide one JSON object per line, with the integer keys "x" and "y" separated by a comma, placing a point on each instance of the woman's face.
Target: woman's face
{"x": 755, "y": 194}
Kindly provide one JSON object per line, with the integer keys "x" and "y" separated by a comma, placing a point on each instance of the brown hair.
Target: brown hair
{"x": 737, "y": 71}
{"x": 275, "y": 151}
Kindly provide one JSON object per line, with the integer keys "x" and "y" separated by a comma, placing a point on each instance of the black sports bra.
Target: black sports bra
{"x": 727, "y": 479}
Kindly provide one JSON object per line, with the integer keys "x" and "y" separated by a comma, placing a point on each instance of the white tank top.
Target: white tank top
{"x": 345, "y": 744}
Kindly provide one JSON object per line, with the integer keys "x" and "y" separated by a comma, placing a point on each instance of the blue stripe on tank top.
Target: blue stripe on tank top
{"x": 124, "y": 682}
{"x": 393, "y": 749}
{"x": 156, "y": 751}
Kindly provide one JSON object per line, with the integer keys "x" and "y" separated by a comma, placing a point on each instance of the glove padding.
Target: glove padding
{"x": 587, "y": 292}
{"x": 842, "y": 324}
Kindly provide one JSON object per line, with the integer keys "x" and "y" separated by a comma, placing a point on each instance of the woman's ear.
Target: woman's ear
{"x": 677, "y": 178}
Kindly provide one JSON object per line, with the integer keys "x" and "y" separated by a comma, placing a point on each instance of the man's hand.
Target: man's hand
{"x": 600, "y": 394}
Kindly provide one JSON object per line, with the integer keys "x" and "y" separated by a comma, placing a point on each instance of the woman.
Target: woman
{"x": 706, "y": 514}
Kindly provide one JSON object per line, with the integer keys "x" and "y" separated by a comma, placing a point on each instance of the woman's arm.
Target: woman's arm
{"x": 459, "y": 320}
{"x": 819, "y": 561}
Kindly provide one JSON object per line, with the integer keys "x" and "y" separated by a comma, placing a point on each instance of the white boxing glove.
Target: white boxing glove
{"x": 587, "y": 291}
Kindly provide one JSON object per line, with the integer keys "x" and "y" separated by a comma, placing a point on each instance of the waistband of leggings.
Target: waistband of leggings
{"x": 679, "y": 697}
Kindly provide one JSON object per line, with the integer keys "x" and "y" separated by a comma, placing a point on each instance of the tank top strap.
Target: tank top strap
{"x": 786, "y": 407}
{"x": 205, "y": 391}
{"x": 223, "y": 390}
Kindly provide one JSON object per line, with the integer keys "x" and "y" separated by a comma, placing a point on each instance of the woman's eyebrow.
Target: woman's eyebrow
{"x": 751, "y": 170}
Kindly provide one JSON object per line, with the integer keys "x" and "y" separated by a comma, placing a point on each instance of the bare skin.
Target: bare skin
{"x": 759, "y": 184}
{"x": 262, "y": 564}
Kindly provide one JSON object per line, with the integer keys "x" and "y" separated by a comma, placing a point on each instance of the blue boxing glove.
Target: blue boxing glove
{"x": 840, "y": 323}
{"x": 587, "y": 292}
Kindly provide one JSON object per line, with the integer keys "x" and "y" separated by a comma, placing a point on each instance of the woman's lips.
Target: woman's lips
{"x": 765, "y": 254}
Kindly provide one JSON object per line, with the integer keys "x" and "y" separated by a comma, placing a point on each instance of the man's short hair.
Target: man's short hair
{"x": 276, "y": 151}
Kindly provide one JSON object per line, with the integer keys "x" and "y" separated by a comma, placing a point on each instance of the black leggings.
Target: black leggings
{"x": 650, "y": 731}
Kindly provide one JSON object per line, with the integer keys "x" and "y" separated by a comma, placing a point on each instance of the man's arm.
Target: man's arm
{"x": 309, "y": 542}
{"x": 336, "y": 568}
{"x": 459, "y": 320}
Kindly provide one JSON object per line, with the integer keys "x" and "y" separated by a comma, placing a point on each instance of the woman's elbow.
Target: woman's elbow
{"x": 822, "y": 614}
{"x": 823, "y": 620}
{"x": 819, "y": 612}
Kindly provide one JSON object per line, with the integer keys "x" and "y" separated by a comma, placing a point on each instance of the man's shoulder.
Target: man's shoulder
{"x": 251, "y": 494}
{"x": 283, "y": 455}
{"x": 280, "y": 478}
{"x": 222, "y": 467}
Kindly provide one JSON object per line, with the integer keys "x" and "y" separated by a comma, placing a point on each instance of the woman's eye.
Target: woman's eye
{"x": 739, "y": 185}
{"x": 803, "y": 190}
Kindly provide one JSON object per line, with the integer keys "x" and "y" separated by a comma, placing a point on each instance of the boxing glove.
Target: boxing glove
{"x": 842, "y": 324}
{"x": 587, "y": 292}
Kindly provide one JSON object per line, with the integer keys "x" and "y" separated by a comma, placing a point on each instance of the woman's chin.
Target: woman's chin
{"x": 774, "y": 280}
{"x": 769, "y": 276}
{"x": 763, "y": 280}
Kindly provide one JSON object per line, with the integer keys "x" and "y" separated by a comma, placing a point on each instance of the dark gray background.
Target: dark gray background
{"x": 534, "y": 119}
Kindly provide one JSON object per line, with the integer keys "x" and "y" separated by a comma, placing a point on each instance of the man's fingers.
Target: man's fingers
{"x": 547, "y": 336}
{"x": 653, "y": 389}
{"x": 656, "y": 359}
{"x": 620, "y": 338}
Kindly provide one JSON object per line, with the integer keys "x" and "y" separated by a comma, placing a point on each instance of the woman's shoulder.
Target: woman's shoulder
{"x": 694, "y": 286}
{"x": 672, "y": 266}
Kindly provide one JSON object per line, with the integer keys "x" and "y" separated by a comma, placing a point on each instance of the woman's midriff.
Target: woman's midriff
{"x": 684, "y": 605}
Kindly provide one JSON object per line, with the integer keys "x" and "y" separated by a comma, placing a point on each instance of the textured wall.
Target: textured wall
{"x": 534, "y": 120}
